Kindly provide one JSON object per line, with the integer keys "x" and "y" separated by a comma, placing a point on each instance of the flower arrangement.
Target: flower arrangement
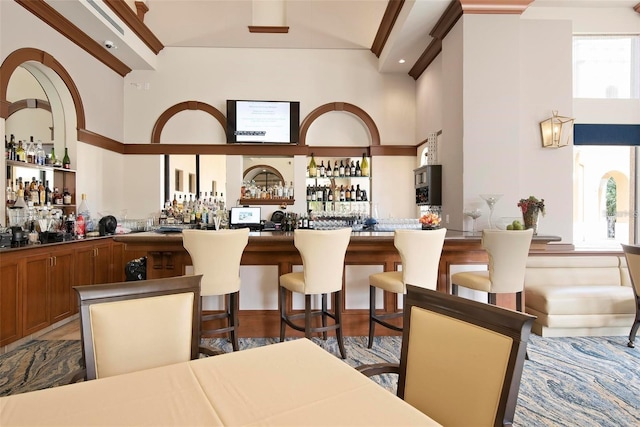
{"x": 531, "y": 203}
{"x": 430, "y": 219}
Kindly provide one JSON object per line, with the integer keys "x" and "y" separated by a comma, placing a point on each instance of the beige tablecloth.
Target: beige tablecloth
{"x": 293, "y": 383}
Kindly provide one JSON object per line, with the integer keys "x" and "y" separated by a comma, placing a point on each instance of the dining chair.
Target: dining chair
{"x": 508, "y": 251}
{"x": 131, "y": 326}
{"x": 461, "y": 360}
{"x": 632, "y": 254}
{"x": 322, "y": 253}
{"x": 216, "y": 256}
{"x": 420, "y": 252}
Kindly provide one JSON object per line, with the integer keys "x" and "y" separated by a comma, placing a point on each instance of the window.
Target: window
{"x": 606, "y": 66}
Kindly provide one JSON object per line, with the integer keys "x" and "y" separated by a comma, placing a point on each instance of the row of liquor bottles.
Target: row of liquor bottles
{"x": 341, "y": 170}
{"x": 34, "y": 153}
{"x": 201, "y": 209}
{"x": 250, "y": 190}
{"x": 35, "y": 193}
{"x": 325, "y": 193}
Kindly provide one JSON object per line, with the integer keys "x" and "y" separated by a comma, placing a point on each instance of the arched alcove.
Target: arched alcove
{"x": 340, "y": 106}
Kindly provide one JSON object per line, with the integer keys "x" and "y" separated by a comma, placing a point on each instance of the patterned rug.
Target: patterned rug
{"x": 582, "y": 381}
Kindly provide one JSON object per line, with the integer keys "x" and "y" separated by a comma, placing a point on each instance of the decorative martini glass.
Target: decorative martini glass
{"x": 491, "y": 200}
{"x": 473, "y": 214}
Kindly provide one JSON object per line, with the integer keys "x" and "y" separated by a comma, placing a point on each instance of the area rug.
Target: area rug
{"x": 582, "y": 381}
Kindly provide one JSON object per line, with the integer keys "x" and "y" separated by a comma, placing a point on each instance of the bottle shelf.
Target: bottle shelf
{"x": 15, "y": 163}
{"x": 282, "y": 201}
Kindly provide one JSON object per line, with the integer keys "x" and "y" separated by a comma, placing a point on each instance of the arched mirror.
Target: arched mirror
{"x": 263, "y": 176}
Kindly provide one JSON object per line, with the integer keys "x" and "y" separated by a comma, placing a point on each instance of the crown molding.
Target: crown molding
{"x": 386, "y": 25}
{"x": 136, "y": 25}
{"x": 62, "y": 25}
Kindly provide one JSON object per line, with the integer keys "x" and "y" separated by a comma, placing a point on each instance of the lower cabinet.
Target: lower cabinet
{"x": 10, "y": 300}
{"x": 36, "y": 286}
{"x": 47, "y": 289}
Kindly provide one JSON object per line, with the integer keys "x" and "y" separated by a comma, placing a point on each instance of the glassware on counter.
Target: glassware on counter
{"x": 491, "y": 200}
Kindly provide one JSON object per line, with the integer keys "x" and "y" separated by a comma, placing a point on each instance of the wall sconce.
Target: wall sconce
{"x": 557, "y": 131}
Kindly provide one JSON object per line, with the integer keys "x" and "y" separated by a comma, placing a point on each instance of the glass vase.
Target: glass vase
{"x": 530, "y": 218}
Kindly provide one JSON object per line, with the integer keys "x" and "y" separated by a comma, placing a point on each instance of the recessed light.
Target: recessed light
{"x": 402, "y": 61}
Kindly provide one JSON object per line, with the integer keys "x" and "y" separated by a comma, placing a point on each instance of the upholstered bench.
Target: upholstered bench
{"x": 579, "y": 295}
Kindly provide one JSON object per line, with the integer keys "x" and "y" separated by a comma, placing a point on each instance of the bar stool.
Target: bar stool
{"x": 322, "y": 253}
{"x": 508, "y": 252}
{"x": 420, "y": 252}
{"x": 216, "y": 255}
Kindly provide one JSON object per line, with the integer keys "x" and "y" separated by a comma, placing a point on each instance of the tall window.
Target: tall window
{"x": 605, "y": 67}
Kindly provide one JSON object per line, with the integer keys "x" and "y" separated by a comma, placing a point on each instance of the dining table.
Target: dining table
{"x": 293, "y": 383}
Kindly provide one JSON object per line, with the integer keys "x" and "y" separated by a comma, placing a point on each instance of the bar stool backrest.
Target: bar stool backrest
{"x": 508, "y": 251}
{"x": 420, "y": 251}
{"x": 322, "y": 253}
{"x": 216, "y": 255}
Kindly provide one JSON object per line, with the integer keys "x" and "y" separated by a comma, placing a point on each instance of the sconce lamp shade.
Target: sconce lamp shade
{"x": 557, "y": 131}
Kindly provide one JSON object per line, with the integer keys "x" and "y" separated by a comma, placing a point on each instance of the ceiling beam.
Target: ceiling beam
{"x": 386, "y": 25}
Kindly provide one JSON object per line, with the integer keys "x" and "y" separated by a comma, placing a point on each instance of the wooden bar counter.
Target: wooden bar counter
{"x": 167, "y": 257}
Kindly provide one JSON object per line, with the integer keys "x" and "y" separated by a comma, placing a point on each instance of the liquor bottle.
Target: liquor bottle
{"x": 7, "y": 150}
{"x": 329, "y": 172}
{"x": 329, "y": 194}
{"x": 341, "y": 170}
{"x": 21, "y": 155}
{"x": 336, "y": 169}
{"x": 57, "y": 196}
{"x": 347, "y": 195}
{"x": 174, "y": 203}
{"x": 322, "y": 169}
{"x": 31, "y": 151}
{"x": 358, "y": 193}
{"x": 353, "y": 193}
{"x": 313, "y": 170}
{"x": 66, "y": 161}
{"x": 342, "y": 193}
{"x": 353, "y": 168}
{"x": 42, "y": 194}
{"x": 347, "y": 170}
{"x": 12, "y": 147}
{"x": 40, "y": 156}
{"x": 308, "y": 193}
{"x": 290, "y": 195}
{"x": 66, "y": 196}
{"x": 364, "y": 166}
{"x": 358, "y": 169}
{"x": 52, "y": 158}
{"x": 48, "y": 198}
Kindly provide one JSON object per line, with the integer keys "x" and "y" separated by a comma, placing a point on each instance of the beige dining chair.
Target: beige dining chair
{"x": 632, "y": 254}
{"x": 323, "y": 253}
{"x": 131, "y": 326}
{"x": 461, "y": 360}
{"x": 420, "y": 252}
{"x": 508, "y": 251}
{"x": 216, "y": 255}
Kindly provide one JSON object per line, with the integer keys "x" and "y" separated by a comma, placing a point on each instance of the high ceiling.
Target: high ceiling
{"x": 313, "y": 24}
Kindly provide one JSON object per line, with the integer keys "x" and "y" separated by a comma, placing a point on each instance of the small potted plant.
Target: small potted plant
{"x": 430, "y": 221}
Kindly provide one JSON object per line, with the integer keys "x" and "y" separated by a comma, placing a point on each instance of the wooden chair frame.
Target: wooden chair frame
{"x": 633, "y": 251}
{"x": 510, "y": 323}
{"x": 121, "y": 291}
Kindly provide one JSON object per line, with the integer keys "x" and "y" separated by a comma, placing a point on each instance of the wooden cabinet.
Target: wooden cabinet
{"x": 93, "y": 263}
{"x": 47, "y": 292}
{"x": 10, "y": 300}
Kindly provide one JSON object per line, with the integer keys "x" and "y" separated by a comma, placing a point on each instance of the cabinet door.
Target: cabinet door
{"x": 102, "y": 263}
{"x": 84, "y": 266}
{"x": 62, "y": 298}
{"x": 35, "y": 307}
{"x": 10, "y": 321}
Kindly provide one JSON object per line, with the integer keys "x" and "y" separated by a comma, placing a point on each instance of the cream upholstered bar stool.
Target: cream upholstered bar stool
{"x": 216, "y": 255}
{"x": 322, "y": 253}
{"x": 508, "y": 251}
{"x": 420, "y": 252}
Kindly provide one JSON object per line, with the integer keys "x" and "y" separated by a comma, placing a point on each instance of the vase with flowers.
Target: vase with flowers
{"x": 430, "y": 221}
{"x": 531, "y": 208}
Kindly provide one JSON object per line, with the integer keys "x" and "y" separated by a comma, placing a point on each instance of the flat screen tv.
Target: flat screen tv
{"x": 245, "y": 216}
{"x": 275, "y": 122}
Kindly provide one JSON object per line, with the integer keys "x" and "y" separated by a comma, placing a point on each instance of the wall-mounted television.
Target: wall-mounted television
{"x": 275, "y": 122}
